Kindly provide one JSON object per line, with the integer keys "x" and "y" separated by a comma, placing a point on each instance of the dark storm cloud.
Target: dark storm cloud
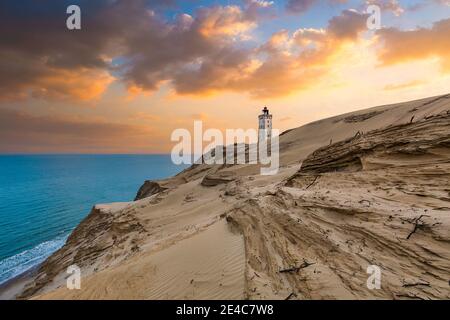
{"x": 37, "y": 48}
{"x": 35, "y": 44}
{"x": 197, "y": 54}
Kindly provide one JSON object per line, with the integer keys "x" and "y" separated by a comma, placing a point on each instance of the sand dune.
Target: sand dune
{"x": 208, "y": 265}
{"x": 340, "y": 216}
{"x": 365, "y": 188}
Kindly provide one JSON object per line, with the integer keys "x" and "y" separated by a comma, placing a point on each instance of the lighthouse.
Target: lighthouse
{"x": 265, "y": 126}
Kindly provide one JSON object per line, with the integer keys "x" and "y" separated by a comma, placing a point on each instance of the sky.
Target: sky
{"x": 139, "y": 69}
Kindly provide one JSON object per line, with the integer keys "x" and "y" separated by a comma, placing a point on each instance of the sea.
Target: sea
{"x": 44, "y": 197}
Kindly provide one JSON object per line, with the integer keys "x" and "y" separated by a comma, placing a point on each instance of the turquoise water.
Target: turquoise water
{"x": 44, "y": 197}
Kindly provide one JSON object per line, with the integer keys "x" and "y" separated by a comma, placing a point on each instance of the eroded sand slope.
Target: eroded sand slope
{"x": 366, "y": 188}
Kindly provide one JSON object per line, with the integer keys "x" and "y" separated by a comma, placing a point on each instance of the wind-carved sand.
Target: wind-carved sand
{"x": 366, "y": 188}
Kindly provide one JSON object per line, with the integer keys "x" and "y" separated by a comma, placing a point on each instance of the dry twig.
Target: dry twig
{"x": 292, "y": 294}
{"x": 314, "y": 181}
{"x": 418, "y": 223}
{"x": 305, "y": 264}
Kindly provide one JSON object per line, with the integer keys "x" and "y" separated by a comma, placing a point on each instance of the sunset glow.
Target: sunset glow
{"x": 137, "y": 70}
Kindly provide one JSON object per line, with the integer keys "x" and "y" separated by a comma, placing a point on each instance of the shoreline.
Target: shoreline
{"x": 14, "y": 286}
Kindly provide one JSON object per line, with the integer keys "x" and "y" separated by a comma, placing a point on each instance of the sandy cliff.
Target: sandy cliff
{"x": 366, "y": 188}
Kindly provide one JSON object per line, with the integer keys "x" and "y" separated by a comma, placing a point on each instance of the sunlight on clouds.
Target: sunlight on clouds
{"x": 83, "y": 85}
{"x": 403, "y": 46}
{"x": 228, "y": 21}
{"x": 404, "y": 85}
{"x": 148, "y": 74}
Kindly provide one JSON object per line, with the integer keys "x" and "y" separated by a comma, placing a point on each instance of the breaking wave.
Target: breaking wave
{"x": 25, "y": 260}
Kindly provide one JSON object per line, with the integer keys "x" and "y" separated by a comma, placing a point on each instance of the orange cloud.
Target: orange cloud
{"x": 59, "y": 84}
{"x": 223, "y": 21}
{"x": 145, "y": 117}
{"x": 24, "y": 132}
{"x": 82, "y": 85}
{"x": 406, "y": 85}
{"x": 200, "y": 116}
{"x": 281, "y": 66}
{"x": 403, "y": 46}
{"x": 202, "y": 54}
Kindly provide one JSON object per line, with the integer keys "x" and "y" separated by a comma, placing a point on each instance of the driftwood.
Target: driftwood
{"x": 412, "y": 118}
{"x": 407, "y": 285}
{"x": 314, "y": 181}
{"x": 292, "y": 294}
{"x": 305, "y": 264}
{"x": 418, "y": 223}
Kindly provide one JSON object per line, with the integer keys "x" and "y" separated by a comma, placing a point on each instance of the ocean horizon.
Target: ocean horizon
{"x": 43, "y": 197}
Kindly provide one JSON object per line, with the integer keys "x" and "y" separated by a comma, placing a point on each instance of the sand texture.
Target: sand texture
{"x": 366, "y": 188}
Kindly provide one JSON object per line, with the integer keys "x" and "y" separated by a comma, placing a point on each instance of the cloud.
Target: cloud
{"x": 23, "y": 132}
{"x": 222, "y": 21}
{"x": 394, "y": 6}
{"x": 280, "y": 66}
{"x": 348, "y": 25}
{"x": 144, "y": 116}
{"x": 388, "y": 5}
{"x": 209, "y": 51}
{"x": 301, "y": 6}
{"x": 191, "y": 45}
{"x": 444, "y": 2}
{"x": 39, "y": 56}
{"x": 403, "y": 46}
{"x": 200, "y": 116}
{"x": 405, "y": 85}
{"x": 21, "y": 76}
{"x": 257, "y": 9}
{"x": 420, "y": 5}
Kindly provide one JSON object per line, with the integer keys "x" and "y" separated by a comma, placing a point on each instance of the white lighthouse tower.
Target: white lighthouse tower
{"x": 265, "y": 126}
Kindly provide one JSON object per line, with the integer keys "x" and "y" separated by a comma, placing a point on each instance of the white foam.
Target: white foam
{"x": 21, "y": 262}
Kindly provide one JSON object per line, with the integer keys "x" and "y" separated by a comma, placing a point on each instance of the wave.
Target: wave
{"x": 25, "y": 260}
